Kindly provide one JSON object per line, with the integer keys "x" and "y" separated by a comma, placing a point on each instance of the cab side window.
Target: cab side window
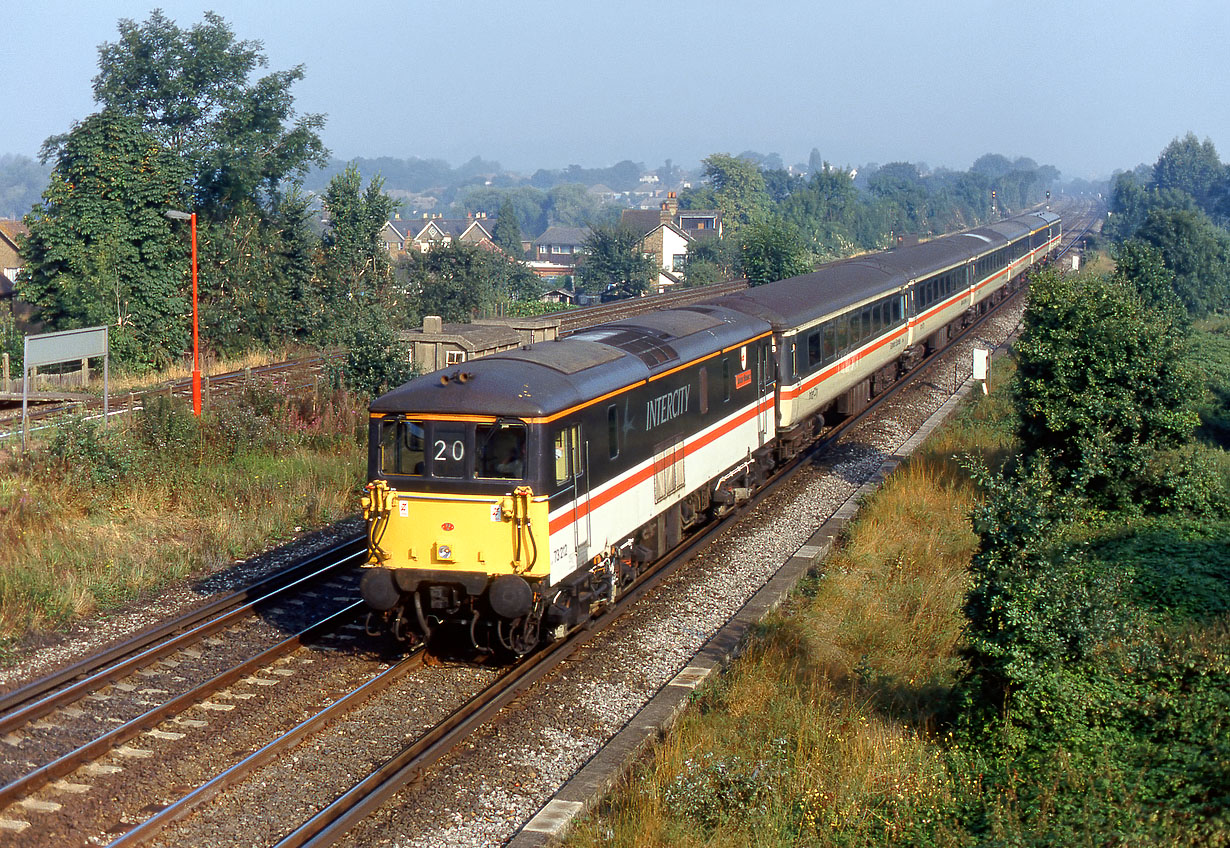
{"x": 567, "y": 448}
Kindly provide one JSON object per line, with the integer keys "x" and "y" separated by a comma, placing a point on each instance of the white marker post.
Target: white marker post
{"x": 982, "y": 368}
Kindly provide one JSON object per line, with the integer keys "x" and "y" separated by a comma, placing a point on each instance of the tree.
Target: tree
{"x": 507, "y": 232}
{"x": 1196, "y": 251}
{"x": 355, "y": 267}
{"x": 615, "y": 263}
{"x": 1103, "y": 385}
{"x": 101, "y": 251}
{"x": 1190, "y": 166}
{"x": 191, "y": 91}
{"x": 738, "y": 189}
{"x": 1142, "y": 266}
{"x": 900, "y": 185}
{"x": 461, "y": 281}
{"x": 772, "y": 250}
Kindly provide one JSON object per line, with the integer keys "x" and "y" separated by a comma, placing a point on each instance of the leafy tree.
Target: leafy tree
{"x": 192, "y": 91}
{"x": 772, "y": 250}
{"x": 1103, "y": 386}
{"x": 377, "y": 360}
{"x": 1196, "y": 251}
{"x": 461, "y": 281}
{"x": 1131, "y": 201}
{"x": 101, "y": 251}
{"x": 901, "y": 186}
{"x": 258, "y": 277}
{"x": 711, "y": 260}
{"x": 507, "y": 232}
{"x": 571, "y": 205}
{"x": 615, "y": 263}
{"x": 1190, "y": 166}
{"x": 1142, "y": 266}
{"x": 738, "y": 189}
{"x": 356, "y": 264}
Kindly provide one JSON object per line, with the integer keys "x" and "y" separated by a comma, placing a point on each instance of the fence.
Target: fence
{"x": 78, "y": 379}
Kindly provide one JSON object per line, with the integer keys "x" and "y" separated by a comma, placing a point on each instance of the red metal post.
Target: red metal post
{"x": 196, "y": 357}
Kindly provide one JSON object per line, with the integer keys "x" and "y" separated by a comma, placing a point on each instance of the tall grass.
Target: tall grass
{"x": 823, "y": 734}
{"x": 827, "y": 732}
{"x": 92, "y": 518}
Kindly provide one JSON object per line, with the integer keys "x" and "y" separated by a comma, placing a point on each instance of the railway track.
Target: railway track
{"x": 292, "y": 377}
{"x": 327, "y": 825}
{"x": 71, "y": 719}
{"x": 392, "y": 773}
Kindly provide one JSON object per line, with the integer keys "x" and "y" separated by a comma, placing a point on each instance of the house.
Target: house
{"x": 561, "y": 245}
{"x": 432, "y": 230}
{"x": 10, "y": 266}
{"x": 667, "y": 233}
{"x": 10, "y": 255}
{"x": 559, "y": 296}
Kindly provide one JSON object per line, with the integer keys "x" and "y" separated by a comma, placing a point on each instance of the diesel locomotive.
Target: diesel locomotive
{"x": 511, "y": 495}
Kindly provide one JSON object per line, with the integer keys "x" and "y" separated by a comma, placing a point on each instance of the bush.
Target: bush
{"x": 89, "y": 455}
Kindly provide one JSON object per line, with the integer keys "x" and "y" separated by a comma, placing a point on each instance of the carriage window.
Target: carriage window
{"x": 401, "y": 447}
{"x": 866, "y": 331}
{"x": 704, "y": 389}
{"x": 813, "y": 350}
{"x": 725, "y": 380}
{"x": 501, "y": 451}
{"x": 448, "y": 450}
{"x": 897, "y": 311}
{"x": 830, "y": 342}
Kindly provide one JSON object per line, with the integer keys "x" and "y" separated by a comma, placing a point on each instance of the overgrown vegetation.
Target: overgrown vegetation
{"x": 94, "y": 517}
{"x": 1040, "y": 656}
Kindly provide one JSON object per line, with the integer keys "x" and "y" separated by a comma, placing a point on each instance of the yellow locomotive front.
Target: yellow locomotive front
{"x": 457, "y": 528}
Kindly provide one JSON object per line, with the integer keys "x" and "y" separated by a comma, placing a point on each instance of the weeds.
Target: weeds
{"x": 93, "y": 517}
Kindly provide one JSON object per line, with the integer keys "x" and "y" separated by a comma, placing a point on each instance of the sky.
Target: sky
{"x": 1089, "y": 87}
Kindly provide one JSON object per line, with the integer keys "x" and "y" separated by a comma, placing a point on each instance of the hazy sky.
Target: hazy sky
{"x": 1087, "y": 87}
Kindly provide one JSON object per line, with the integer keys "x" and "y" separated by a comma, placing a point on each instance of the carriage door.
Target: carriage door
{"x": 571, "y": 464}
{"x": 766, "y": 383}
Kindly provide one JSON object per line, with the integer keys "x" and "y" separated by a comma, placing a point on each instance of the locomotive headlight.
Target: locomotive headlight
{"x": 444, "y": 551}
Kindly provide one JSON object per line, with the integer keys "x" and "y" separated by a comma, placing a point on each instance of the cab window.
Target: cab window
{"x": 501, "y": 451}
{"x": 402, "y": 447}
{"x": 567, "y": 449}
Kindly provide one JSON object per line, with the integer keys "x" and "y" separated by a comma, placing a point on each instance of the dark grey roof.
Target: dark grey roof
{"x": 642, "y": 220}
{"x": 801, "y": 300}
{"x": 548, "y": 377}
{"x": 469, "y": 336}
{"x": 563, "y": 235}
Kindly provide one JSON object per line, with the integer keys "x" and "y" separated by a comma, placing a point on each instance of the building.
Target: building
{"x": 10, "y": 255}
{"x": 438, "y": 345}
{"x": 419, "y": 235}
{"x": 667, "y": 234}
{"x": 10, "y": 266}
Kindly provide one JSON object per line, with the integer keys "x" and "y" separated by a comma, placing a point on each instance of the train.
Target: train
{"x": 511, "y": 497}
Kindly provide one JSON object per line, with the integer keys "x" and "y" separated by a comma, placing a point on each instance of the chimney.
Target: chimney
{"x": 672, "y": 203}
{"x": 664, "y": 213}
{"x": 433, "y": 324}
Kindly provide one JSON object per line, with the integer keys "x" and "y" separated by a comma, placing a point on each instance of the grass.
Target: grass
{"x": 824, "y": 733}
{"x": 93, "y": 518}
{"x": 841, "y": 724}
